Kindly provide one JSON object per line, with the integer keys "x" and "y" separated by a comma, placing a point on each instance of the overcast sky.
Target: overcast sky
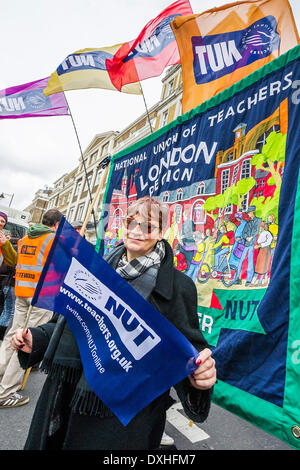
{"x": 36, "y": 35}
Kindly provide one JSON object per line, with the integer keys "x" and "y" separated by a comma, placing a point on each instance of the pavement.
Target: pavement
{"x": 221, "y": 431}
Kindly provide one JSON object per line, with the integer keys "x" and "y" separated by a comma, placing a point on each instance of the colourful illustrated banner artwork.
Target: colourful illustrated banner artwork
{"x": 228, "y": 171}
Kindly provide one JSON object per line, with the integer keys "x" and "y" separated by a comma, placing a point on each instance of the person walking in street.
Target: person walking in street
{"x": 33, "y": 249}
{"x": 8, "y": 259}
{"x": 8, "y": 255}
{"x": 69, "y": 415}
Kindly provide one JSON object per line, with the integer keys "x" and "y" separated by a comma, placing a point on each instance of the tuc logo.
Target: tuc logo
{"x": 83, "y": 282}
{"x": 87, "y": 285}
{"x": 217, "y": 55}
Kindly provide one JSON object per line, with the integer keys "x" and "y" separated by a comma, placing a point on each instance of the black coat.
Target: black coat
{"x": 175, "y": 297}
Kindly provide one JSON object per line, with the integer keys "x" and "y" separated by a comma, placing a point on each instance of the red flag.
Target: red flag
{"x": 154, "y": 49}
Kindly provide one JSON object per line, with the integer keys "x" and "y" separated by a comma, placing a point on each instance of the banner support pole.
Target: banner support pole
{"x": 100, "y": 187}
{"x": 27, "y": 318}
{"x": 83, "y": 161}
{"x": 146, "y": 109}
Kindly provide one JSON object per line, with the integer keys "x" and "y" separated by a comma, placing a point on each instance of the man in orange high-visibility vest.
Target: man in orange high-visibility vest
{"x": 33, "y": 250}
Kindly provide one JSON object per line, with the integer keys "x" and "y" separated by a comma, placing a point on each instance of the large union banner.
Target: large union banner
{"x": 228, "y": 171}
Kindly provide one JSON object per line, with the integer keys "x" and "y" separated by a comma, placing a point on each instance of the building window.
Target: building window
{"x": 78, "y": 188}
{"x": 198, "y": 214}
{"x": 225, "y": 179}
{"x": 179, "y": 195}
{"x": 80, "y": 211}
{"x": 178, "y": 213}
{"x": 234, "y": 175}
{"x": 105, "y": 149}
{"x": 179, "y": 109}
{"x": 93, "y": 157}
{"x": 98, "y": 177}
{"x": 201, "y": 188}
{"x": 246, "y": 169}
{"x": 228, "y": 209}
{"x": 263, "y": 137}
{"x": 117, "y": 219}
{"x": 245, "y": 202}
{"x": 88, "y": 182}
{"x": 166, "y": 197}
{"x": 164, "y": 118}
{"x": 170, "y": 87}
{"x": 71, "y": 214}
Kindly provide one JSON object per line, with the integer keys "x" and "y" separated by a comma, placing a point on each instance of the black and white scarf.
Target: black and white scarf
{"x": 136, "y": 267}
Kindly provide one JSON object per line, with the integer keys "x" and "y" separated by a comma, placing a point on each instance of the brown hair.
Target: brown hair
{"x": 150, "y": 208}
{"x": 51, "y": 217}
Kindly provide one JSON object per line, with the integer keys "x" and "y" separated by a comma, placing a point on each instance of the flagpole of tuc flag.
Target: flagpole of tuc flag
{"x": 104, "y": 164}
{"x": 83, "y": 161}
{"x": 146, "y": 109}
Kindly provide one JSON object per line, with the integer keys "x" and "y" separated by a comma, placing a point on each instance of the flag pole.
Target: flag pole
{"x": 83, "y": 161}
{"x": 146, "y": 109}
{"x": 27, "y": 318}
{"x": 100, "y": 187}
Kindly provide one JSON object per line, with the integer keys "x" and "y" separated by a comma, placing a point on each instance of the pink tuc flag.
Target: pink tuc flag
{"x": 151, "y": 52}
{"x": 28, "y": 100}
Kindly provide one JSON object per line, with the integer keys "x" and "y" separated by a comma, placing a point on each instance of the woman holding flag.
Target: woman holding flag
{"x": 68, "y": 414}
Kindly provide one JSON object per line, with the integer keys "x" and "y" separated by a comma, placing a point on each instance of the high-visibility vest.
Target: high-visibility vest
{"x": 32, "y": 254}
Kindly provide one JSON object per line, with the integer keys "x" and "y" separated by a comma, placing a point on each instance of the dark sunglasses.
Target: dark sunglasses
{"x": 145, "y": 227}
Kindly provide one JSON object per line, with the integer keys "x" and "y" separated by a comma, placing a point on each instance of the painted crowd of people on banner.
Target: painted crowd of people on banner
{"x": 241, "y": 241}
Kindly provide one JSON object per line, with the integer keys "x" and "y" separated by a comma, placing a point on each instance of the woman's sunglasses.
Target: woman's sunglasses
{"x": 145, "y": 227}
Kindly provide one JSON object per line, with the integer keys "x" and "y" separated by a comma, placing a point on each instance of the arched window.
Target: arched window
{"x": 179, "y": 195}
{"x": 117, "y": 218}
{"x": 166, "y": 197}
{"x": 198, "y": 213}
{"x": 201, "y": 188}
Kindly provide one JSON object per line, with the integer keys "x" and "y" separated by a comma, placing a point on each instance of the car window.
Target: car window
{"x": 16, "y": 231}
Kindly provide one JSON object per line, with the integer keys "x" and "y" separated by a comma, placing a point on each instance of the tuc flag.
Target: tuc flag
{"x": 222, "y": 45}
{"x": 86, "y": 68}
{"x": 28, "y": 100}
{"x": 229, "y": 172}
{"x": 126, "y": 346}
{"x": 151, "y": 52}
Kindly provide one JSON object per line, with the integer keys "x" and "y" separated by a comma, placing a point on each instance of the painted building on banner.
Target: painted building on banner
{"x": 232, "y": 165}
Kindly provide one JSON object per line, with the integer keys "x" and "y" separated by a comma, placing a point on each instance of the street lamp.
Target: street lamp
{"x": 2, "y": 196}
